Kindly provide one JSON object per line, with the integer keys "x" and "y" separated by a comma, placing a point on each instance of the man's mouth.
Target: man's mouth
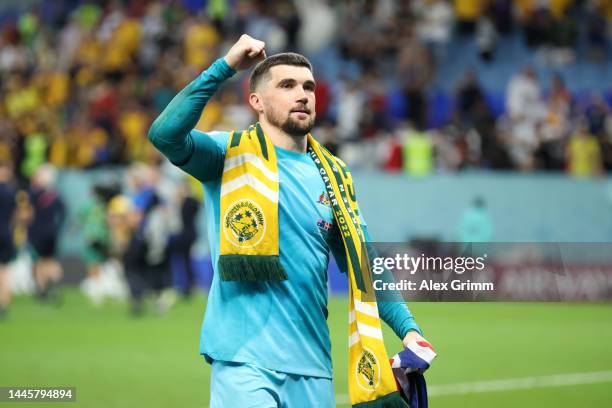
{"x": 301, "y": 110}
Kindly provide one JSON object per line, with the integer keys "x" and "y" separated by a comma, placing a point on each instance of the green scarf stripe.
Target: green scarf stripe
{"x": 354, "y": 258}
{"x": 343, "y": 191}
{"x": 363, "y": 281}
{"x": 236, "y": 136}
{"x": 262, "y": 141}
{"x": 351, "y": 191}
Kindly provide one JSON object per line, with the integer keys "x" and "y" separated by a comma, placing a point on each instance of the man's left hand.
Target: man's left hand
{"x": 410, "y": 336}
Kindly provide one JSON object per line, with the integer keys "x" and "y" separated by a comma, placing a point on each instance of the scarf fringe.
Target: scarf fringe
{"x": 393, "y": 400}
{"x": 251, "y": 268}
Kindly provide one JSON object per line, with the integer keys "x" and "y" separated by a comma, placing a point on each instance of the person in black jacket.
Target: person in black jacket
{"x": 8, "y": 192}
{"x": 49, "y": 213}
{"x": 182, "y": 242}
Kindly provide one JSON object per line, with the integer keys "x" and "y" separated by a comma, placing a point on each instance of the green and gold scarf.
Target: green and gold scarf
{"x": 249, "y": 249}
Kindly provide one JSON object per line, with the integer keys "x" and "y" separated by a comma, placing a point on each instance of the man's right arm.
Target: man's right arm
{"x": 171, "y": 133}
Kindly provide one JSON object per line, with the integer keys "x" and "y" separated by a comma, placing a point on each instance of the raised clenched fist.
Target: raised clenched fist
{"x": 246, "y": 52}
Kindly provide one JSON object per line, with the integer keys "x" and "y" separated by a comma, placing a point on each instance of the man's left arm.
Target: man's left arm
{"x": 393, "y": 309}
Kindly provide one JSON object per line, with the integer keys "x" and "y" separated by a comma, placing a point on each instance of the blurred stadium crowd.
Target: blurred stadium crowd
{"x": 135, "y": 231}
{"x": 81, "y": 81}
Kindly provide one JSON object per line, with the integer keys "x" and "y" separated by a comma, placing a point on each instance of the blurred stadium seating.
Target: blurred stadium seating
{"x": 82, "y": 80}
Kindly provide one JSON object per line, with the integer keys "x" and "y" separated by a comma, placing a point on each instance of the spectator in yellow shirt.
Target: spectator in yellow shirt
{"x": 583, "y": 153}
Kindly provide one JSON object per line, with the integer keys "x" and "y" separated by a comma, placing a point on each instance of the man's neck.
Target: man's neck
{"x": 282, "y": 139}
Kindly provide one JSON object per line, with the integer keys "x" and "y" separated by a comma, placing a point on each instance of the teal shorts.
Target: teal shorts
{"x": 244, "y": 385}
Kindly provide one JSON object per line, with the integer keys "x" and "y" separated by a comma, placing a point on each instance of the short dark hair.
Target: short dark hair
{"x": 285, "y": 58}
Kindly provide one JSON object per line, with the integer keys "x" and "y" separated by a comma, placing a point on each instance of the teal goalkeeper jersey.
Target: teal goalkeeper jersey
{"x": 280, "y": 326}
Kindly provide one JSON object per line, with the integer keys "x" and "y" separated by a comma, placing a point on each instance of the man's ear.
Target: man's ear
{"x": 255, "y": 102}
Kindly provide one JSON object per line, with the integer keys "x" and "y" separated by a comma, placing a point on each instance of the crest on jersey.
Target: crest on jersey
{"x": 323, "y": 199}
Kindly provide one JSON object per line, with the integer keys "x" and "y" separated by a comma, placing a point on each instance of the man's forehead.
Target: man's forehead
{"x": 298, "y": 73}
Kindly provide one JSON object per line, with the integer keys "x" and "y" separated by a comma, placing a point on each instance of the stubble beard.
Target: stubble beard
{"x": 291, "y": 126}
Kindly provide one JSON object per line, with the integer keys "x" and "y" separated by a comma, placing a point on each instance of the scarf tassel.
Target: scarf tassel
{"x": 252, "y": 268}
{"x": 393, "y": 400}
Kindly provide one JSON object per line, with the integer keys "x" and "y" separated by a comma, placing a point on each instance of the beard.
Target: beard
{"x": 291, "y": 126}
{"x": 294, "y": 128}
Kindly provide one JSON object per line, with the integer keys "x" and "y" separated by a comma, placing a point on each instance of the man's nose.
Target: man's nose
{"x": 302, "y": 97}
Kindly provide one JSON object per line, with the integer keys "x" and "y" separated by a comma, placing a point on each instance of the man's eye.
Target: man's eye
{"x": 288, "y": 85}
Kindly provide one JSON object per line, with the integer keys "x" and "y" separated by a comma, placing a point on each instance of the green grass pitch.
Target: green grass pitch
{"x": 115, "y": 360}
